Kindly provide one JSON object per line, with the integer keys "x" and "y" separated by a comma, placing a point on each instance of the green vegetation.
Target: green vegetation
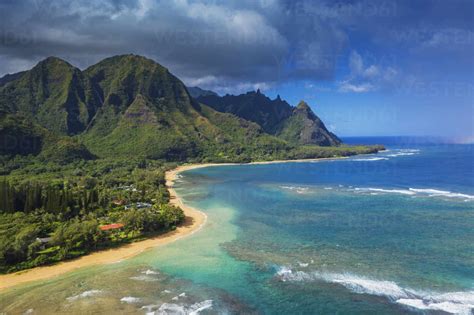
{"x": 53, "y": 212}
{"x": 81, "y": 150}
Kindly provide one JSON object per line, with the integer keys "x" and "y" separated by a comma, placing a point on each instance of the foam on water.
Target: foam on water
{"x": 150, "y": 272}
{"x": 130, "y": 299}
{"x": 420, "y": 192}
{"x": 441, "y": 193}
{"x": 144, "y": 278}
{"x": 196, "y": 308}
{"x": 171, "y": 308}
{"x": 390, "y": 191}
{"x": 84, "y": 294}
{"x": 403, "y": 152}
{"x": 450, "y": 302}
{"x": 383, "y": 156}
{"x": 147, "y": 276}
{"x": 370, "y": 159}
{"x": 298, "y": 189}
{"x": 448, "y": 307}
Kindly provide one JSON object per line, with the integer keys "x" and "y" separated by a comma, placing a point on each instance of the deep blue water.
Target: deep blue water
{"x": 385, "y": 233}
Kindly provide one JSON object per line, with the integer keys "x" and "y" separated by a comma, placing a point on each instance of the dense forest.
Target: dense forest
{"x": 51, "y": 213}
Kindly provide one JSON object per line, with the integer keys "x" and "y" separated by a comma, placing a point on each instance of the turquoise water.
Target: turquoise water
{"x": 391, "y": 233}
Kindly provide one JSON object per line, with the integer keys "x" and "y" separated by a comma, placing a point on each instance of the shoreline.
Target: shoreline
{"x": 194, "y": 221}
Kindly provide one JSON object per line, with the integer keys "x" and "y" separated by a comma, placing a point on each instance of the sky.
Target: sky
{"x": 367, "y": 68}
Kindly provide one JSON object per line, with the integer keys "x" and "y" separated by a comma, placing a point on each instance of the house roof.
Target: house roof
{"x": 111, "y": 226}
{"x": 44, "y": 239}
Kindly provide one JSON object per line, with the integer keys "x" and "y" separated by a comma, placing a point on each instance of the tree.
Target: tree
{"x": 25, "y": 237}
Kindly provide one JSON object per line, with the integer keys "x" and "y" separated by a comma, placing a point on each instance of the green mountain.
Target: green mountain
{"x": 123, "y": 106}
{"x": 148, "y": 111}
{"x": 297, "y": 125}
{"x": 130, "y": 106}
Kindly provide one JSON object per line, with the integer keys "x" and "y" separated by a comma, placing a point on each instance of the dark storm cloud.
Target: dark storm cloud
{"x": 220, "y": 44}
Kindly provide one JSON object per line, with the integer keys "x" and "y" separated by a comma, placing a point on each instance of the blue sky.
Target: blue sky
{"x": 402, "y": 67}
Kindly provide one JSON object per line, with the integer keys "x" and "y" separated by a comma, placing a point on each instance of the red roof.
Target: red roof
{"x": 111, "y": 226}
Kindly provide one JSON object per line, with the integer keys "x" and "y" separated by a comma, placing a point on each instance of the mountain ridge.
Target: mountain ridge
{"x": 131, "y": 106}
{"x": 298, "y": 125}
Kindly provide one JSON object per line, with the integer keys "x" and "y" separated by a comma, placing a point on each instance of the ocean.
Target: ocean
{"x": 388, "y": 233}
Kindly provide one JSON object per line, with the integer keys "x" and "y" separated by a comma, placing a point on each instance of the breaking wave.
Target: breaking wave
{"x": 390, "y": 191}
{"x": 429, "y": 192}
{"x": 450, "y": 302}
{"x": 370, "y": 159}
{"x": 403, "y": 152}
{"x": 387, "y": 154}
{"x": 441, "y": 193}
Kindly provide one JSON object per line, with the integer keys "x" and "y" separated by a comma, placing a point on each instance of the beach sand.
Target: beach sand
{"x": 194, "y": 221}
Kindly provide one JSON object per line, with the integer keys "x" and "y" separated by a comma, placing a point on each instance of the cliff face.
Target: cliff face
{"x": 252, "y": 106}
{"x": 297, "y": 125}
{"x": 304, "y": 127}
{"x": 53, "y": 94}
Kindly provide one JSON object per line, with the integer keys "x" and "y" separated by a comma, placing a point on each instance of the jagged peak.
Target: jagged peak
{"x": 302, "y": 105}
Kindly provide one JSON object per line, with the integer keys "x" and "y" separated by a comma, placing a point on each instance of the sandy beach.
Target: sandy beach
{"x": 194, "y": 221}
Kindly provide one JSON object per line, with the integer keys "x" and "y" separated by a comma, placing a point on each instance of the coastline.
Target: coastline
{"x": 194, "y": 221}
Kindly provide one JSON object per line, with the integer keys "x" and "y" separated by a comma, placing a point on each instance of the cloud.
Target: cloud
{"x": 364, "y": 78}
{"x": 236, "y": 42}
{"x": 346, "y": 86}
{"x": 430, "y": 37}
{"x": 225, "y": 86}
{"x": 249, "y": 42}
